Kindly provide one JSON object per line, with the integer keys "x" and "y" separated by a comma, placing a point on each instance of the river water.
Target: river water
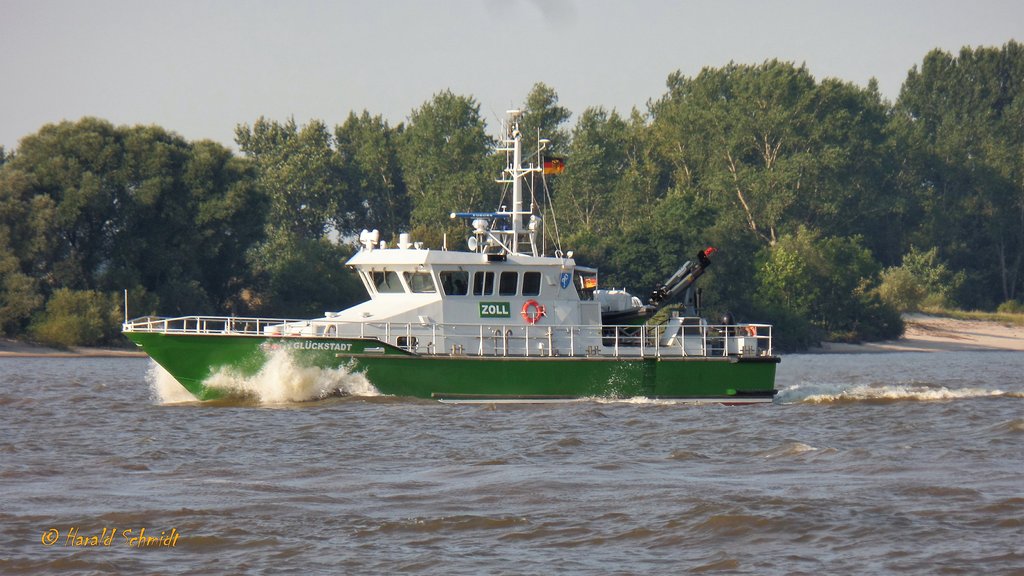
{"x": 865, "y": 464}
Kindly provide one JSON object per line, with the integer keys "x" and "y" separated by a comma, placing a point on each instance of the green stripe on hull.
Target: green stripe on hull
{"x": 467, "y": 377}
{"x": 714, "y": 377}
{"x": 439, "y": 376}
{"x": 191, "y": 359}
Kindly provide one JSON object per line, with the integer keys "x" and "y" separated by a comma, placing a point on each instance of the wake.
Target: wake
{"x": 882, "y": 393}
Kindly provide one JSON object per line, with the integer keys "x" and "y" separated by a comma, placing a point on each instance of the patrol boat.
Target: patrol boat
{"x": 498, "y": 322}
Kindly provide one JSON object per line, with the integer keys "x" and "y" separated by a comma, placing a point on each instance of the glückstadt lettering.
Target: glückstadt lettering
{"x": 307, "y": 345}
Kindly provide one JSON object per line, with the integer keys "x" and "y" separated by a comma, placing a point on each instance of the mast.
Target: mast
{"x": 523, "y": 222}
{"x": 517, "y": 174}
{"x": 506, "y": 231}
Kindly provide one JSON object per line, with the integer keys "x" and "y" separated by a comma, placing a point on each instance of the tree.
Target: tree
{"x": 301, "y": 277}
{"x": 299, "y": 171}
{"x": 777, "y": 150}
{"x": 229, "y": 219}
{"x": 961, "y": 118}
{"x": 93, "y": 208}
{"x": 823, "y": 288}
{"x": 542, "y": 115}
{"x": 444, "y": 159}
{"x": 297, "y": 270}
{"x": 186, "y": 217}
{"x": 847, "y": 187}
{"x": 369, "y": 163}
{"x": 587, "y": 196}
{"x": 921, "y": 280}
{"x": 19, "y": 294}
{"x": 78, "y": 318}
{"x": 741, "y": 132}
{"x": 59, "y": 198}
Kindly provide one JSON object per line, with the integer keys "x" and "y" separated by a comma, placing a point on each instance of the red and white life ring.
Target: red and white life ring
{"x": 532, "y": 311}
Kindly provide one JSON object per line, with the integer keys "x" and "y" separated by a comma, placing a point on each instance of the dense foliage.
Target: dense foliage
{"x": 832, "y": 209}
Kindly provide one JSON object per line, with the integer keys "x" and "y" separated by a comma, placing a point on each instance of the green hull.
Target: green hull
{"x": 192, "y": 359}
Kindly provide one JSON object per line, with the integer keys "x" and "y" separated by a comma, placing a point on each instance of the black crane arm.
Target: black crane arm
{"x": 683, "y": 279}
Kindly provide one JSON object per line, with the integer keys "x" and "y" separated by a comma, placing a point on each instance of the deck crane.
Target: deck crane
{"x": 620, "y": 307}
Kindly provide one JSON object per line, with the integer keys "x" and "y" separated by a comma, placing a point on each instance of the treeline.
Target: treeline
{"x": 831, "y": 208}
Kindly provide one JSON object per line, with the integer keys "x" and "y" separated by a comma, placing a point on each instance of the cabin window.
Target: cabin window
{"x": 586, "y": 283}
{"x": 531, "y": 284}
{"x": 483, "y": 283}
{"x": 508, "y": 283}
{"x": 420, "y": 282}
{"x": 454, "y": 282}
{"x": 386, "y": 282}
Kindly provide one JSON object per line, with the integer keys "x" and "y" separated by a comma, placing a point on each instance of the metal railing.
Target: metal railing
{"x": 671, "y": 340}
{"x": 207, "y": 325}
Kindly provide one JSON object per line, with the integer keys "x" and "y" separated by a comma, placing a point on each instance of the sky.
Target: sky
{"x": 202, "y": 67}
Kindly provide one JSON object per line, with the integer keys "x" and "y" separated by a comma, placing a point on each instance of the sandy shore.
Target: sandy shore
{"x": 14, "y": 348}
{"x": 923, "y": 334}
{"x": 935, "y": 334}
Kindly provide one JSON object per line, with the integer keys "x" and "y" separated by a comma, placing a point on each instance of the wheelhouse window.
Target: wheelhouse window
{"x": 585, "y": 282}
{"x": 483, "y": 283}
{"x": 531, "y": 284}
{"x": 386, "y": 282}
{"x": 454, "y": 282}
{"x": 420, "y": 282}
{"x": 508, "y": 283}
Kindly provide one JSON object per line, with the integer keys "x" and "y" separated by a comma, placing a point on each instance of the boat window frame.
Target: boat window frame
{"x": 486, "y": 286}
{"x": 402, "y": 288}
{"x": 364, "y": 277}
{"x": 408, "y": 276}
{"x": 503, "y": 290}
{"x": 539, "y": 279}
{"x": 448, "y": 280}
{"x": 580, "y": 278}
